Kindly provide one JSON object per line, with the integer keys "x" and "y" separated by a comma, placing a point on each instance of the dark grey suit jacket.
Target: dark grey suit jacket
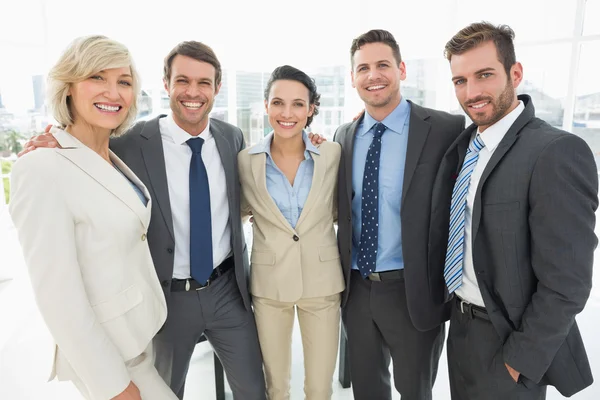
{"x": 141, "y": 149}
{"x": 533, "y": 243}
{"x": 430, "y": 134}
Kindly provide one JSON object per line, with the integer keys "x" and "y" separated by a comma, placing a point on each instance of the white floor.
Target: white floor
{"x": 24, "y": 344}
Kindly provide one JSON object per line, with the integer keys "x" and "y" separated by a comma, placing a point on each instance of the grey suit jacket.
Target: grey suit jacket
{"x": 141, "y": 149}
{"x": 533, "y": 243}
{"x": 430, "y": 134}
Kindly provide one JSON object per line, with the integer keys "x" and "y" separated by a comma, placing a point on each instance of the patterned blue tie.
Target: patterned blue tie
{"x": 201, "y": 252}
{"x": 367, "y": 253}
{"x": 453, "y": 270}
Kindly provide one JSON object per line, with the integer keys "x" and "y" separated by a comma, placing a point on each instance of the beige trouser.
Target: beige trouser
{"x": 144, "y": 376}
{"x": 319, "y": 320}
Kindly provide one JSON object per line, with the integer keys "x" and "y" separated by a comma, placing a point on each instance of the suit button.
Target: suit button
{"x": 165, "y": 283}
{"x": 296, "y": 238}
{"x": 143, "y": 237}
{"x": 170, "y": 250}
{"x": 349, "y": 219}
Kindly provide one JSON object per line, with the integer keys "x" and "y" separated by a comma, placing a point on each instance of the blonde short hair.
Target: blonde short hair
{"x": 84, "y": 57}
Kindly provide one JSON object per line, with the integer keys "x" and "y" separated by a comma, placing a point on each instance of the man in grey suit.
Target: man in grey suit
{"x": 512, "y": 233}
{"x": 188, "y": 162}
{"x": 393, "y": 306}
{"x": 160, "y": 153}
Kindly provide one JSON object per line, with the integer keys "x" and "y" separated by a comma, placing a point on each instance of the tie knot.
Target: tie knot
{"x": 378, "y": 129}
{"x": 476, "y": 144}
{"x": 195, "y": 144}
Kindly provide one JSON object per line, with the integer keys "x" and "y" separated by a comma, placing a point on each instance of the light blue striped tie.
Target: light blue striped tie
{"x": 453, "y": 270}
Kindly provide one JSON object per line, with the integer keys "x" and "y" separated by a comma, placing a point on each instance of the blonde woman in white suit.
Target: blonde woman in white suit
{"x": 82, "y": 217}
{"x": 289, "y": 186}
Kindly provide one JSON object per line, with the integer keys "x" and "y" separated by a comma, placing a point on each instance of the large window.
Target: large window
{"x": 31, "y": 38}
{"x": 557, "y": 42}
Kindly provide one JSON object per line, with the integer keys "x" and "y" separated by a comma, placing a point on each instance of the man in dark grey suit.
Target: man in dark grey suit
{"x": 512, "y": 233}
{"x": 393, "y": 306}
{"x": 159, "y": 153}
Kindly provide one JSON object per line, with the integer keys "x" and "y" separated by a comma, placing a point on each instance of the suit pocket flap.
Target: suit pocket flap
{"x": 328, "y": 253}
{"x": 262, "y": 257}
{"x": 118, "y": 305}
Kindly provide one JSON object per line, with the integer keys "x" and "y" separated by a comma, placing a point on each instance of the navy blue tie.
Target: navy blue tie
{"x": 367, "y": 252}
{"x": 201, "y": 252}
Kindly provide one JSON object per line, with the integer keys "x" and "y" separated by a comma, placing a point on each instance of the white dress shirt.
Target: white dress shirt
{"x": 178, "y": 156}
{"x": 491, "y": 137}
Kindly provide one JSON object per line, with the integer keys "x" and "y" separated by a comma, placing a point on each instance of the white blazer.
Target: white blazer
{"x": 82, "y": 229}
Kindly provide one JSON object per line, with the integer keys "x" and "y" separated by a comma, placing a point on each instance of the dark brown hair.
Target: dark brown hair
{"x": 287, "y": 72}
{"x": 375, "y": 36}
{"x": 481, "y": 32}
{"x": 196, "y": 50}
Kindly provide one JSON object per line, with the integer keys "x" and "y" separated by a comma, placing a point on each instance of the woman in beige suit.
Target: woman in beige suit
{"x": 82, "y": 217}
{"x": 289, "y": 186}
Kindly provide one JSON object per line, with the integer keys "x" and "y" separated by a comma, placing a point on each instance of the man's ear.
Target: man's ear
{"x": 516, "y": 74}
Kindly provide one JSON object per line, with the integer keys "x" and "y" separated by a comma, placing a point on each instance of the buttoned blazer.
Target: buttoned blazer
{"x": 82, "y": 229}
{"x": 286, "y": 263}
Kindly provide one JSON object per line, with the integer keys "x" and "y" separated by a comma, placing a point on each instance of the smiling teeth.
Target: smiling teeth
{"x": 288, "y": 123}
{"x": 107, "y": 108}
{"x": 480, "y": 106}
{"x": 192, "y": 105}
{"x": 375, "y": 87}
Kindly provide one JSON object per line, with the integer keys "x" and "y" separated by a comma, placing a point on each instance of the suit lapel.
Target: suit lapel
{"x": 320, "y": 166}
{"x": 449, "y": 168}
{"x": 102, "y": 172}
{"x": 154, "y": 160}
{"x": 418, "y": 131}
{"x": 460, "y": 145}
{"x": 504, "y": 146}
{"x": 259, "y": 173}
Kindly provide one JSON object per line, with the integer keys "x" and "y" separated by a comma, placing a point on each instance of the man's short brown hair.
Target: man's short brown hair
{"x": 481, "y": 32}
{"x": 375, "y": 36}
{"x": 196, "y": 50}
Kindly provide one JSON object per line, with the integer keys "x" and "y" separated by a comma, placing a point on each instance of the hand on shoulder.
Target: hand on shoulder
{"x": 42, "y": 140}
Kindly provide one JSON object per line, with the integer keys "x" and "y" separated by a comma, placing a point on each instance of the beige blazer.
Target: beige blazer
{"x": 289, "y": 264}
{"x": 82, "y": 229}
